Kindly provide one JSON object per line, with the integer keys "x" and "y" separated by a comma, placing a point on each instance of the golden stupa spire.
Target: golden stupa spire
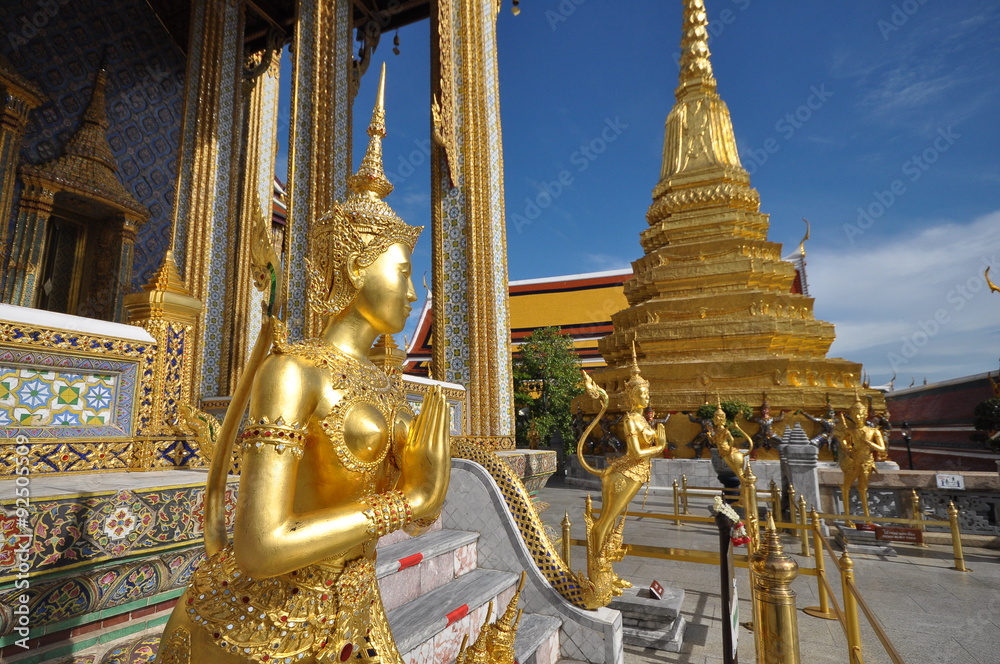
{"x": 701, "y": 164}
{"x": 370, "y": 177}
{"x": 696, "y": 68}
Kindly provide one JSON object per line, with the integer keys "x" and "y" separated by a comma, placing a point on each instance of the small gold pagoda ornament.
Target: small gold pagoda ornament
{"x": 620, "y": 480}
{"x": 495, "y": 643}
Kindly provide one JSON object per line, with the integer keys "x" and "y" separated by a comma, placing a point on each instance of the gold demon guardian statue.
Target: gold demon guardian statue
{"x": 332, "y": 460}
{"x": 620, "y": 480}
{"x": 860, "y": 445}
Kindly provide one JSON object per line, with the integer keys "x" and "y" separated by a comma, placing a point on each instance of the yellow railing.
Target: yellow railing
{"x": 803, "y": 525}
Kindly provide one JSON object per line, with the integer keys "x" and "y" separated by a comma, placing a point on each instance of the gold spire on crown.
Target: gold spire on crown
{"x": 635, "y": 379}
{"x": 363, "y": 225}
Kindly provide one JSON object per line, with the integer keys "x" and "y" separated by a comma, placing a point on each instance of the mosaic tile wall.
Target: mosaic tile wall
{"x": 213, "y": 323}
{"x": 48, "y": 398}
{"x": 121, "y": 546}
{"x": 303, "y": 148}
{"x": 60, "y": 50}
{"x": 105, "y": 587}
{"x": 53, "y": 395}
{"x": 77, "y": 530}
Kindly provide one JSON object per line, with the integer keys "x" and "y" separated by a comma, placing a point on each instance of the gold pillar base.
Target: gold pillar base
{"x": 166, "y": 310}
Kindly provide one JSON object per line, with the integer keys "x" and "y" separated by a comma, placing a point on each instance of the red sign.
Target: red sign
{"x": 656, "y": 589}
{"x": 899, "y": 534}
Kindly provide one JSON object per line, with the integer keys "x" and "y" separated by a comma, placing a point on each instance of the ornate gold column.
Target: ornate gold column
{"x": 29, "y": 232}
{"x": 205, "y": 200}
{"x": 256, "y": 193}
{"x": 471, "y": 317}
{"x": 17, "y": 98}
{"x": 320, "y": 154}
{"x": 167, "y": 311}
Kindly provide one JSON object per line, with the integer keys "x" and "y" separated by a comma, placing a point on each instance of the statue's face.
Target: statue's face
{"x": 719, "y": 418}
{"x": 386, "y": 290}
{"x": 859, "y": 412}
{"x": 640, "y": 396}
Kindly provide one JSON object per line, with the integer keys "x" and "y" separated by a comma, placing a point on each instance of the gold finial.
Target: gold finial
{"x": 993, "y": 287}
{"x": 695, "y": 64}
{"x": 635, "y": 376}
{"x": 167, "y": 278}
{"x": 495, "y": 643}
{"x": 802, "y": 243}
{"x": 370, "y": 177}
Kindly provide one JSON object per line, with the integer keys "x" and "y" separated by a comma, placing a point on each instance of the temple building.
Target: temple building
{"x": 938, "y": 419}
{"x": 137, "y": 153}
{"x": 713, "y": 310}
{"x": 580, "y": 305}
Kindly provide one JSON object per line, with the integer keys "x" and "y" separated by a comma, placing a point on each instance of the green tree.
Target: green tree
{"x": 730, "y": 408}
{"x": 546, "y": 379}
{"x": 987, "y": 419}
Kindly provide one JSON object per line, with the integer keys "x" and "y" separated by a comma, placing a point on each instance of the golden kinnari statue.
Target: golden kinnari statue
{"x": 620, "y": 480}
{"x": 723, "y": 440}
{"x": 860, "y": 444}
{"x": 332, "y": 459}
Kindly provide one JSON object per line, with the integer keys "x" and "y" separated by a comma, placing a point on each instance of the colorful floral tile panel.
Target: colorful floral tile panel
{"x": 33, "y": 397}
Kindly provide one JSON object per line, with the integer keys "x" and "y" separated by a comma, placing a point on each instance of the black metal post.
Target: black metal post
{"x": 906, "y": 439}
{"x": 730, "y": 617}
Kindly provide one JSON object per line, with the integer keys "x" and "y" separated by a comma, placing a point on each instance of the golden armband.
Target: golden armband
{"x": 279, "y": 435}
{"x": 387, "y": 512}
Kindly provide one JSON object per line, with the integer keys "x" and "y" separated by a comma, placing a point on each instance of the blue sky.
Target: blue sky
{"x": 876, "y": 120}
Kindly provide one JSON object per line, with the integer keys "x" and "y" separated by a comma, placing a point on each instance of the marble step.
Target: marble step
{"x": 670, "y": 640}
{"x": 537, "y": 640}
{"x": 417, "y": 565}
{"x": 429, "y": 629}
{"x": 650, "y": 622}
{"x": 640, "y": 609}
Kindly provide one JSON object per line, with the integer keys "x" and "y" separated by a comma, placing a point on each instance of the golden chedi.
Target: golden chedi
{"x": 332, "y": 459}
{"x": 712, "y": 306}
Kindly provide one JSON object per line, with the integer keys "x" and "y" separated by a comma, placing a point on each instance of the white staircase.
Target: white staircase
{"x": 436, "y": 589}
{"x": 435, "y": 593}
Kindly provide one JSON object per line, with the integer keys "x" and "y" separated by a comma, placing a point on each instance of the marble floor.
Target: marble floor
{"x": 930, "y": 612}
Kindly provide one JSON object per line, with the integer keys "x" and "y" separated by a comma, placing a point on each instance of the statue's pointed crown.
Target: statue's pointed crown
{"x": 635, "y": 378}
{"x": 362, "y": 224}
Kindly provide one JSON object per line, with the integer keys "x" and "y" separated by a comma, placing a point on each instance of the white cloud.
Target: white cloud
{"x": 917, "y": 304}
{"x": 601, "y": 262}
